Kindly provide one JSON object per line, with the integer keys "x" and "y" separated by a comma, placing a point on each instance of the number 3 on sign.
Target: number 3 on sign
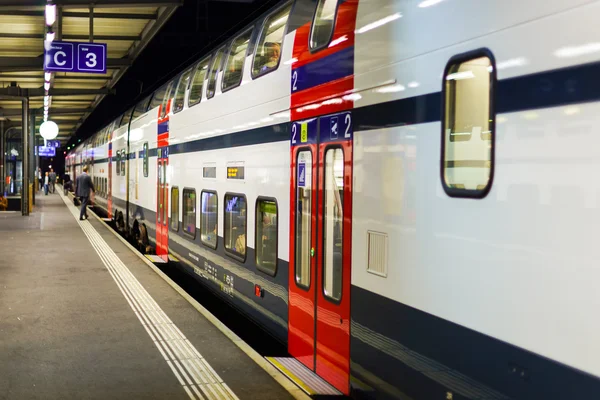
{"x": 91, "y": 60}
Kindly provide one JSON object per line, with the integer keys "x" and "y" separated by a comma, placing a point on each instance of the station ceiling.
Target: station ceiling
{"x": 126, "y": 26}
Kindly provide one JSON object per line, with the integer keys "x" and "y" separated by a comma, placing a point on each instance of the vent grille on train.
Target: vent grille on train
{"x": 377, "y": 251}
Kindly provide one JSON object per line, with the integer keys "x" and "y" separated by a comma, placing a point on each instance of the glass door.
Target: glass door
{"x": 320, "y": 246}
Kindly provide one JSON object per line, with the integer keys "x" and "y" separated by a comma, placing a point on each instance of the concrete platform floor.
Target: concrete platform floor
{"x": 68, "y": 332}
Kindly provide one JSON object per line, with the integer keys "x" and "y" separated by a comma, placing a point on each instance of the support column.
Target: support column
{"x": 25, "y": 132}
{"x": 2, "y": 157}
{"x": 32, "y": 163}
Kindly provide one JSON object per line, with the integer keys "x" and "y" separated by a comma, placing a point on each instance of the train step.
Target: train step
{"x": 303, "y": 377}
{"x": 158, "y": 259}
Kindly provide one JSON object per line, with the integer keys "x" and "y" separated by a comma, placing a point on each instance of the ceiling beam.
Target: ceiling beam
{"x": 74, "y": 14}
{"x": 9, "y": 64}
{"x": 16, "y": 112}
{"x": 7, "y": 4}
{"x": 8, "y": 35}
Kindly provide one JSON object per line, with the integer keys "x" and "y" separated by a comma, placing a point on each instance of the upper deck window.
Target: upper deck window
{"x": 270, "y": 42}
{"x": 198, "y": 82}
{"x": 468, "y": 125}
{"x": 141, "y": 108}
{"x": 235, "y": 61}
{"x": 158, "y": 97}
{"x": 212, "y": 76}
{"x": 323, "y": 24}
{"x": 181, "y": 88}
{"x": 126, "y": 118}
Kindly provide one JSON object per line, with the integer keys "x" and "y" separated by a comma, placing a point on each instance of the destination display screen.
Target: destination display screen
{"x": 235, "y": 172}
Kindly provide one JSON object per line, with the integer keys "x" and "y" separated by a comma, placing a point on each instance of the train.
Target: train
{"x": 402, "y": 191}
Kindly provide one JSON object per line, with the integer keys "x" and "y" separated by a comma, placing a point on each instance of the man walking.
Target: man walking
{"x": 84, "y": 185}
{"x": 52, "y": 180}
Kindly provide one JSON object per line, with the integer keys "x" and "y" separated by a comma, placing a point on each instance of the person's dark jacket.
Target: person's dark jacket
{"x": 83, "y": 185}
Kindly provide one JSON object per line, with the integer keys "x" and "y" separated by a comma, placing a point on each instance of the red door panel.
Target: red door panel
{"x": 162, "y": 187}
{"x": 319, "y": 304}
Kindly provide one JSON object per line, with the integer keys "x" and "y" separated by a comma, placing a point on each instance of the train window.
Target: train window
{"x": 189, "y": 212}
{"x": 126, "y": 118}
{"x": 175, "y": 209}
{"x": 234, "y": 66}
{"x": 268, "y": 50}
{"x": 165, "y": 103}
{"x": 180, "y": 93}
{"x": 158, "y": 97}
{"x": 198, "y": 82}
{"x": 209, "y": 209}
{"x": 123, "y": 161}
{"x": 333, "y": 211}
{"x": 145, "y": 160}
{"x": 323, "y": 24}
{"x": 266, "y": 236}
{"x": 303, "y": 218}
{"x": 235, "y": 225}
{"x": 214, "y": 69}
{"x": 468, "y": 125}
{"x": 118, "y": 162}
{"x": 141, "y": 108}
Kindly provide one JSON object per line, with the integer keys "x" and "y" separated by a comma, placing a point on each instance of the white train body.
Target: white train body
{"x": 462, "y": 258}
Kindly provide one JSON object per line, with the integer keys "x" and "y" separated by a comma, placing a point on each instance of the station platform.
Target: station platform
{"x": 83, "y": 316}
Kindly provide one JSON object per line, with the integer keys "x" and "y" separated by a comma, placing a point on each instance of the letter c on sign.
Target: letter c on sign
{"x": 56, "y": 61}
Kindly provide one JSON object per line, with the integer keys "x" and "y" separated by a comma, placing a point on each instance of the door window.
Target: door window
{"x": 175, "y": 209}
{"x": 333, "y": 217}
{"x": 322, "y": 27}
{"x": 159, "y": 193}
{"x": 164, "y": 194}
{"x": 303, "y": 218}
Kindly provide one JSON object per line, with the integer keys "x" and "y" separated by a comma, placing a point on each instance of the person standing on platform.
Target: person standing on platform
{"x": 83, "y": 187}
{"x": 40, "y": 179}
{"x": 52, "y": 179}
{"x": 46, "y": 182}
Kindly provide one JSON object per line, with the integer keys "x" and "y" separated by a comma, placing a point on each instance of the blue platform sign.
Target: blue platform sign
{"x": 52, "y": 143}
{"x": 46, "y": 151}
{"x": 75, "y": 57}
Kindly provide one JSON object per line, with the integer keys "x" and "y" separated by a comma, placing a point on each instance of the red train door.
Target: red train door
{"x": 162, "y": 186}
{"x": 320, "y": 240}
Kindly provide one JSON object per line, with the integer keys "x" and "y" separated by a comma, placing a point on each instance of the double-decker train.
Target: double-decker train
{"x": 403, "y": 191}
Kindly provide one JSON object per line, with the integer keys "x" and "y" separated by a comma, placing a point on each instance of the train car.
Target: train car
{"x": 402, "y": 191}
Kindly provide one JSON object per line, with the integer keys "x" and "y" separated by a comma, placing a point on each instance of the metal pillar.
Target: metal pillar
{"x": 25, "y": 132}
{"x": 32, "y": 164}
{"x": 2, "y": 157}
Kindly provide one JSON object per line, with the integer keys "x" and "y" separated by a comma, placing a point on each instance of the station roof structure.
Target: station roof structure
{"x": 126, "y": 26}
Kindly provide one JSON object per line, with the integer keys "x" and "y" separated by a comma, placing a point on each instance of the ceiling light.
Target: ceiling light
{"x": 50, "y": 14}
{"x": 50, "y": 36}
{"x": 46, "y": 85}
{"x": 47, "y": 76}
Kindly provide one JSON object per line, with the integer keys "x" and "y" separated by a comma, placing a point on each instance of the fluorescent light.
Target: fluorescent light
{"x": 46, "y": 85}
{"x": 50, "y": 14}
{"x": 279, "y": 21}
{"x": 460, "y": 75}
{"x": 379, "y": 23}
{"x": 429, "y": 3}
{"x": 47, "y": 76}
{"x": 576, "y": 51}
{"x": 46, "y": 101}
{"x": 50, "y": 36}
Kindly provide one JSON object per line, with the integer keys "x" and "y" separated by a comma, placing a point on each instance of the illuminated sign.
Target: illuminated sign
{"x": 235, "y": 172}
{"x": 46, "y": 151}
